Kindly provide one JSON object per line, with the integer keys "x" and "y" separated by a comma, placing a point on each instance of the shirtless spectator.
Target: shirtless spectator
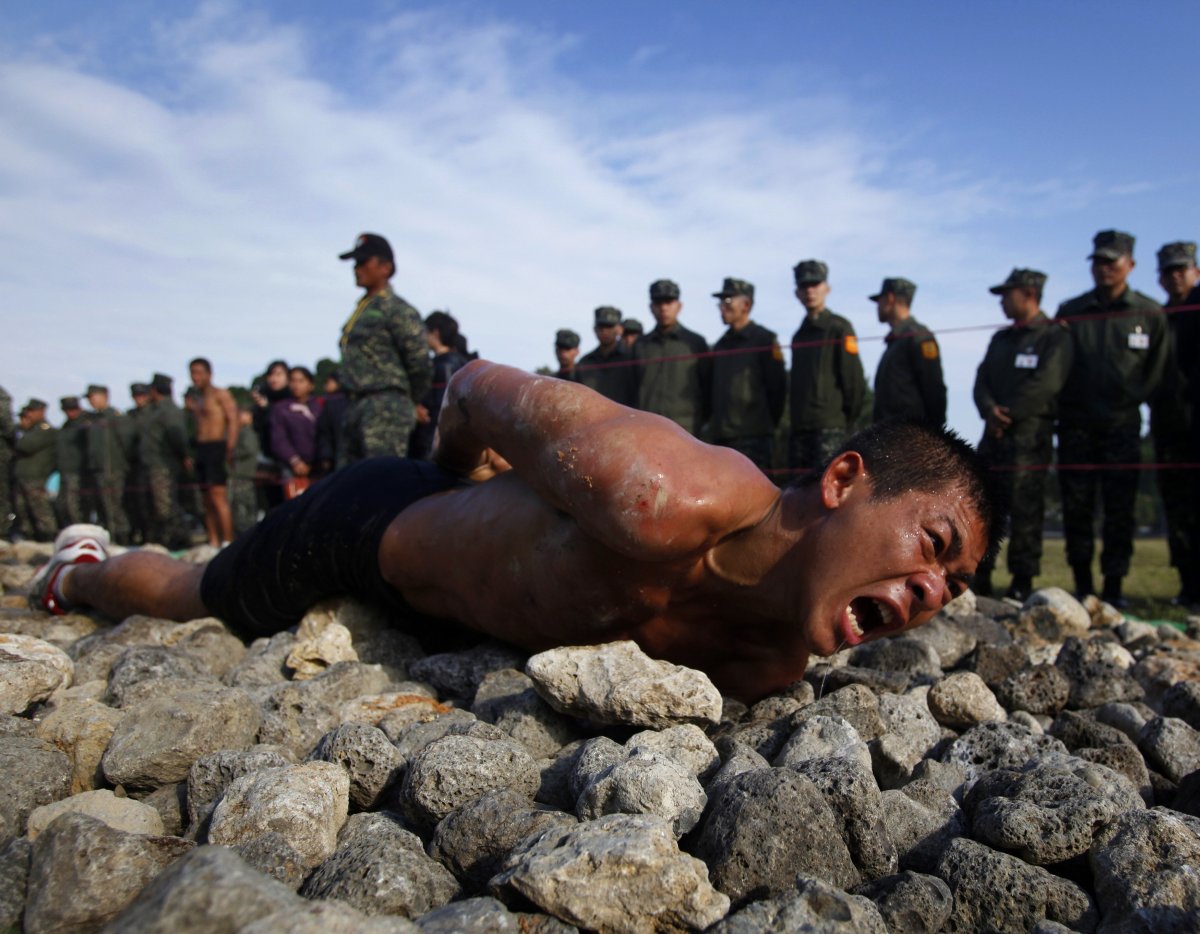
{"x": 609, "y": 524}
{"x": 216, "y": 438}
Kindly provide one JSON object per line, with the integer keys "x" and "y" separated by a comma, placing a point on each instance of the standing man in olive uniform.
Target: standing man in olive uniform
{"x": 1119, "y": 342}
{"x": 749, "y": 383}
{"x": 1016, "y": 393}
{"x": 72, "y": 458}
{"x": 827, "y": 382}
{"x": 609, "y": 368}
{"x": 8, "y": 438}
{"x": 674, "y": 370}
{"x": 908, "y": 381}
{"x": 385, "y": 359}
{"x": 164, "y": 454}
{"x": 566, "y": 352}
{"x": 1173, "y": 424}
{"x": 107, "y": 447}
{"x": 34, "y": 459}
{"x": 137, "y": 486}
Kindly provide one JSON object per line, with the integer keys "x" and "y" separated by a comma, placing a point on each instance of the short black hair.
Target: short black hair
{"x": 906, "y": 455}
{"x": 200, "y": 361}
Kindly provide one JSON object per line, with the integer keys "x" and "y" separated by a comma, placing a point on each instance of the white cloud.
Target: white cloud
{"x": 198, "y": 208}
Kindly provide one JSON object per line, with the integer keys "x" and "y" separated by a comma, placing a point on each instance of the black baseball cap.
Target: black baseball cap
{"x": 368, "y": 245}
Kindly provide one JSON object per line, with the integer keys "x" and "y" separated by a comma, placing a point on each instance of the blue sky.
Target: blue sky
{"x": 177, "y": 179}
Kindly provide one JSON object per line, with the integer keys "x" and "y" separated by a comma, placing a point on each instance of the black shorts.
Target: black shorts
{"x": 210, "y": 463}
{"x": 324, "y": 543}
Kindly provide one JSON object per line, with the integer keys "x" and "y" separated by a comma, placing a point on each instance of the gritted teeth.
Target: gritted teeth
{"x": 854, "y": 626}
{"x": 868, "y": 614}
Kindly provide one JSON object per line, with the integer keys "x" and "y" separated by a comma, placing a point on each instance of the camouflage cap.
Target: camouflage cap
{"x": 69, "y": 402}
{"x": 607, "y": 316}
{"x": 368, "y": 245}
{"x": 632, "y": 326}
{"x": 810, "y": 271}
{"x": 139, "y": 389}
{"x": 1020, "y": 279}
{"x": 94, "y": 388}
{"x": 731, "y": 287}
{"x": 901, "y": 288}
{"x": 1179, "y": 253}
{"x": 1111, "y": 244}
{"x": 34, "y": 404}
{"x": 566, "y": 339}
{"x": 663, "y": 290}
{"x": 162, "y": 383}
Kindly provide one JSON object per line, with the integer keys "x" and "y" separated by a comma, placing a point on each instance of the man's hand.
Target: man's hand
{"x": 423, "y": 417}
{"x": 998, "y": 420}
{"x": 490, "y": 465}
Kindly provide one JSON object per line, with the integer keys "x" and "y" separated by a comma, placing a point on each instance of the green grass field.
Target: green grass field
{"x": 1151, "y": 583}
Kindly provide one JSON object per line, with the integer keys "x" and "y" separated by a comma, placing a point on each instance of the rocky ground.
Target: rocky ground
{"x": 1001, "y": 769}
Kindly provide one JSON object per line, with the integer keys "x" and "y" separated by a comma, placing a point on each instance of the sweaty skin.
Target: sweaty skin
{"x": 616, "y": 524}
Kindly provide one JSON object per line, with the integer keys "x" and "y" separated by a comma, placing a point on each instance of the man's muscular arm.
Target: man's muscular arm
{"x": 229, "y": 407}
{"x": 635, "y": 481}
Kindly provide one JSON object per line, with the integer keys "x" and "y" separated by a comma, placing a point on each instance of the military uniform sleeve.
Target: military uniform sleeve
{"x": 408, "y": 335}
{"x": 1038, "y": 392}
{"x": 704, "y": 369}
{"x": 853, "y": 383}
{"x": 985, "y": 400}
{"x": 774, "y": 378}
{"x": 927, "y": 364}
{"x": 175, "y": 434}
{"x": 8, "y": 428}
{"x": 1156, "y": 361}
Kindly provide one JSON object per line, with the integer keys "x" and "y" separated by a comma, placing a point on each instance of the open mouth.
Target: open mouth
{"x": 868, "y": 615}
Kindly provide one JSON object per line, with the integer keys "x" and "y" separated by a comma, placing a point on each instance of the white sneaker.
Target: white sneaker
{"x": 76, "y": 544}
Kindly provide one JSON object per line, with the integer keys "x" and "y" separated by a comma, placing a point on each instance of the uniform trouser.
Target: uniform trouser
{"x": 166, "y": 517}
{"x": 812, "y": 448}
{"x": 110, "y": 494}
{"x": 6, "y": 491}
{"x": 243, "y": 503}
{"x": 1020, "y": 460}
{"x": 1181, "y": 505}
{"x": 1116, "y": 442}
{"x": 759, "y": 448}
{"x": 377, "y": 425}
{"x": 68, "y": 505}
{"x": 137, "y": 505}
{"x": 35, "y": 518}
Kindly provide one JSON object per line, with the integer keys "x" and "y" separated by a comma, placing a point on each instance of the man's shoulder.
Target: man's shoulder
{"x": 388, "y": 302}
{"x": 1078, "y": 305}
{"x": 1141, "y": 301}
{"x": 759, "y": 335}
{"x": 690, "y": 337}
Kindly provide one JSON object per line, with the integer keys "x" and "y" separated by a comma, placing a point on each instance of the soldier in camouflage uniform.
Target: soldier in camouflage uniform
{"x": 908, "y": 381}
{"x": 108, "y": 438}
{"x": 1173, "y": 425}
{"x": 137, "y": 486}
{"x": 609, "y": 368}
{"x": 674, "y": 370}
{"x": 72, "y": 458}
{"x": 33, "y": 461}
{"x": 749, "y": 382}
{"x": 827, "y": 382}
{"x": 566, "y": 352}
{"x": 1016, "y": 393}
{"x": 8, "y": 438}
{"x": 243, "y": 498}
{"x": 385, "y": 360}
{"x": 164, "y": 455}
{"x": 1119, "y": 342}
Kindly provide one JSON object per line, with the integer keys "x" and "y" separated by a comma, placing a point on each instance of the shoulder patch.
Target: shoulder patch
{"x": 929, "y": 349}
{"x": 776, "y": 351}
{"x": 850, "y": 344}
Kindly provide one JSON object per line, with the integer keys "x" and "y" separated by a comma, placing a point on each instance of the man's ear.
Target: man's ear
{"x": 845, "y": 473}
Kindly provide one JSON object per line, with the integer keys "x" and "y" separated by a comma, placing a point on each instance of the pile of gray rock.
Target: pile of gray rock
{"x": 1004, "y": 768}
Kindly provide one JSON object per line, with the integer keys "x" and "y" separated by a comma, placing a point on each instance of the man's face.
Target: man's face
{"x": 1018, "y": 304}
{"x": 885, "y": 306}
{"x": 885, "y": 566}
{"x": 1177, "y": 281}
{"x": 666, "y": 313}
{"x": 566, "y": 356}
{"x": 98, "y": 401}
{"x": 812, "y": 296}
{"x": 608, "y": 335}
{"x": 201, "y": 378}
{"x": 72, "y": 414}
{"x": 372, "y": 273}
{"x": 735, "y": 311}
{"x": 141, "y": 400}
{"x": 629, "y": 338}
{"x": 1111, "y": 273}
{"x": 245, "y": 418}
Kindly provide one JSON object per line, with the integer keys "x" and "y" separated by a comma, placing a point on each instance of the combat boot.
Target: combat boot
{"x": 1084, "y": 584}
{"x": 1112, "y": 593}
{"x": 1020, "y": 588}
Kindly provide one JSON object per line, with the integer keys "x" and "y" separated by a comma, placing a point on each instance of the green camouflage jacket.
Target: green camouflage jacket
{"x": 163, "y": 437}
{"x": 34, "y": 457}
{"x": 383, "y": 348}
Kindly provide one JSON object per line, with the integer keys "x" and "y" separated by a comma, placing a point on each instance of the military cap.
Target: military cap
{"x": 162, "y": 383}
{"x": 731, "y": 287}
{"x": 1020, "y": 279}
{"x": 1179, "y": 253}
{"x": 607, "y": 316}
{"x": 810, "y": 271}
{"x": 139, "y": 389}
{"x": 663, "y": 290}
{"x": 34, "y": 404}
{"x": 632, "y": 326}
{"x": 69, "y": 402}
{"x": 566, "y": 339}
{"x": 368, "y": 245}
{"x": 94, "y": 388}
{"x": 901, "y": 288}
{"x": 1111, "y": 244}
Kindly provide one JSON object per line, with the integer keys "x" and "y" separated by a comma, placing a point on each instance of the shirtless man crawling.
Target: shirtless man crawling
{"x": 216, "y": 437}
{"x": 609, "y": 524}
